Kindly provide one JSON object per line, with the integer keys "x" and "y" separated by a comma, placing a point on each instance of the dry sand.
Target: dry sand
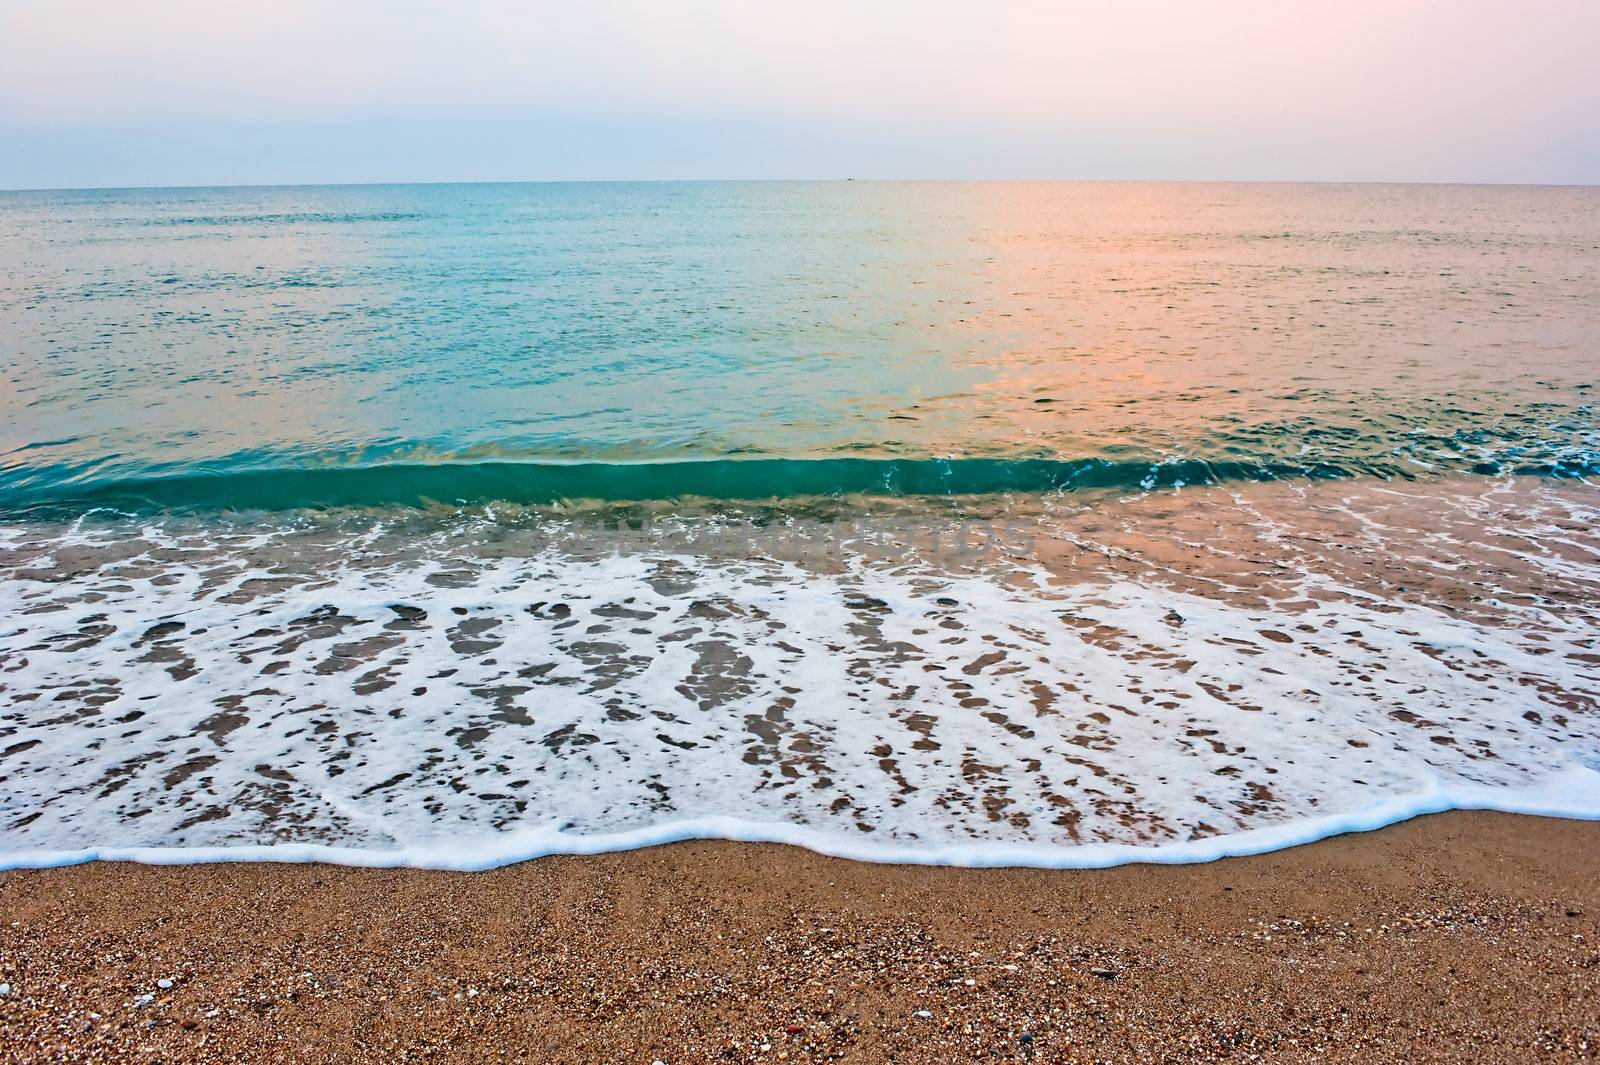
{"x": 1459, "y": 937}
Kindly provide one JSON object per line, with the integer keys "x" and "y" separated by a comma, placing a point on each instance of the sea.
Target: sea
{"x": 1053, "y": 524}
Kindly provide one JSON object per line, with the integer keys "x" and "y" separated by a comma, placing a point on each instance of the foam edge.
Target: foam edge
{"x": 1573, "y": 793}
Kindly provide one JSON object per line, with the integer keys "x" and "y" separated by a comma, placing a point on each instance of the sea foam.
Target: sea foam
{"x": 347, "y": 692}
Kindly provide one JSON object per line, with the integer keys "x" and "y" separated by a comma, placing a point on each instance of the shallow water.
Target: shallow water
{"x": 1061, "y": 524}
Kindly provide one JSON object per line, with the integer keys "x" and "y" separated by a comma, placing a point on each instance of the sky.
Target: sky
{"x": 199, "y": 92}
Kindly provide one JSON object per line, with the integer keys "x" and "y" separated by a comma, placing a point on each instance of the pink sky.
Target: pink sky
{"x": 1404, "y": 89}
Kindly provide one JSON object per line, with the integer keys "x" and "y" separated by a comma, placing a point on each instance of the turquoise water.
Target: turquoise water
{"x": 214, "y": 347}
{"x": 451, "y": 525}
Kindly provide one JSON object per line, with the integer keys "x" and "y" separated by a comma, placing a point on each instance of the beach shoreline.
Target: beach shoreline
{"x": 1459, "y": 936}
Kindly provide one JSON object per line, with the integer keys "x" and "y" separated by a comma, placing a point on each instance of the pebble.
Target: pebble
{"x": 164, "y": 984}
{"x": 5, "y": 989}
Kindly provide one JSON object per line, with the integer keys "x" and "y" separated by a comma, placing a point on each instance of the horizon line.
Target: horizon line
{"x": 797, "y": 181}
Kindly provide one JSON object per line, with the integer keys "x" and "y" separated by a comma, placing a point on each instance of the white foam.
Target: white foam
{"x": 554, "y": 703}
{"x": 1573, "y": 793}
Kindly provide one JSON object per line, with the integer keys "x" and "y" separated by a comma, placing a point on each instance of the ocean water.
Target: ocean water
{"x": 1032, "y": 523}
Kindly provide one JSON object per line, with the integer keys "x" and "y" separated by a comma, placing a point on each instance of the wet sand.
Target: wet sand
{"x": 1458, "y": 937}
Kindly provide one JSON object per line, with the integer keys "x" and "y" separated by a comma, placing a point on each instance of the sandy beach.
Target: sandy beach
{"x": 1457, "y": 937}
{"x": 727, "y": 533}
